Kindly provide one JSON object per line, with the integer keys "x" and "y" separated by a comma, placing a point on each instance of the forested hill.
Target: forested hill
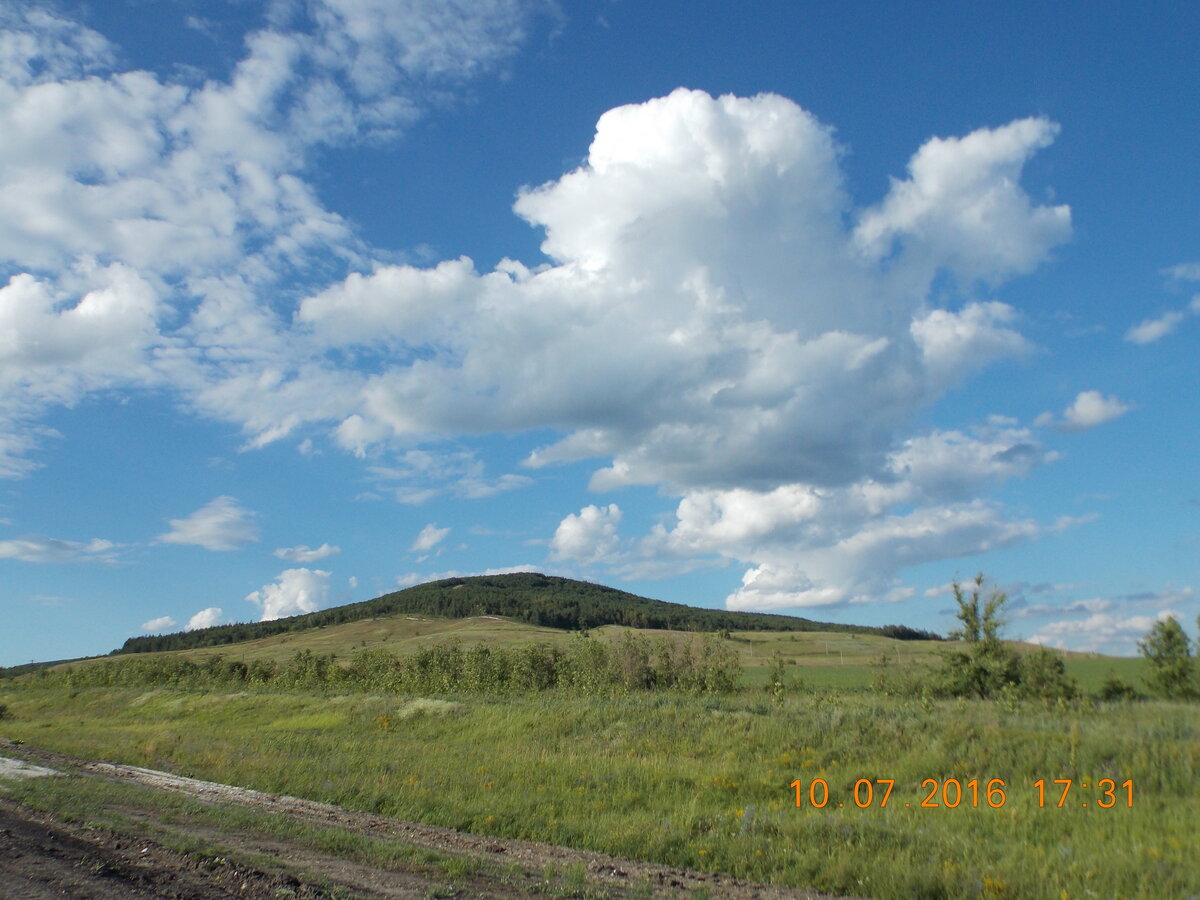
{"x": 526, "y": 597}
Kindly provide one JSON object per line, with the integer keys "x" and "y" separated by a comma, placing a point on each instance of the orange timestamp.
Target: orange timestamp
{"x": 953, "y": 792}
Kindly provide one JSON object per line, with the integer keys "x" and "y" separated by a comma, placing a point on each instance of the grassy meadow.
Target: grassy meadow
{"x": 703, "y": 780}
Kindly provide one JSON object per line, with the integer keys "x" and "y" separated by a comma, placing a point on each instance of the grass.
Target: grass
{"x": 818, "y": 660}
{"x": 701, "y": 781}
{"x": 211, "y": 831}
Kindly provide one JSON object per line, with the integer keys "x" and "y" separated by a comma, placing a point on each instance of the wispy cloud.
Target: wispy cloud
{"x": 38, "y": 548}
{"x": 429, "y": 538}
{"x": 221, "y": 524}
{"x": 302, "y": 554}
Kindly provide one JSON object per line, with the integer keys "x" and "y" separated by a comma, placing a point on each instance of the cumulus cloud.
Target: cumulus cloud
{"x": 295, "y": 591}
{"x": 429, "y": 538}
{"x": 159, "y": 625}
{"x": 205, "y": 618}
{"x": 38, "y": 548}
{"x": 589, "y": 536}
{"x": 221, "y": 524}
{"x": 709, "y": 320}
{"x": 810, "y": 545}
{"x": 302, "y": 553}
{"x": 716, "y": 316}
{"x": 963, "y": 206}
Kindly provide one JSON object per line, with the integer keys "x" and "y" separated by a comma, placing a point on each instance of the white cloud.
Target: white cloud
{"x": 1091, "y": 408}
{"x": 1183, "y": 272}
{"x": 590, "y": 536}
{"x": 38, "y": 548}
{"x": 716, "y": 318}
{"x": 429, "y": 538}
{"x": 218, "y": 525}
{"x": 810, "y": 545}
{"x": 1151, "y": 330}
{"x": 295, "y": 591}
{"x": 302, "y": 554}
{"x": 159, "y": 625}
{"x": 37, "y": 46}
{"x": 130, "y": 202}
{"x": 962, "y": 206}
{"x": 425, "y": 474}
{"x": 206, "y": 618}
{"x": 708, "y": 321}
{"x": 1099, "y": 632}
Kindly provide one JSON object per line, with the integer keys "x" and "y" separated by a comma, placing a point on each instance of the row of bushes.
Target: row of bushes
{"x": 586, "y": 665}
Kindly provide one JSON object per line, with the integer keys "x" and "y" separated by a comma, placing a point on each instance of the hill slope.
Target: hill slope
{"x": 533, "y": 598}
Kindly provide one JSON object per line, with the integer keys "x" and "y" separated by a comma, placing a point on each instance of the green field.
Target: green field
{"x": 666, "y": 774}
{"x": 701, "y": 781}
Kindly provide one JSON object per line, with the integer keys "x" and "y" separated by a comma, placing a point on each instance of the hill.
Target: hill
{"x": 529, "y": 597}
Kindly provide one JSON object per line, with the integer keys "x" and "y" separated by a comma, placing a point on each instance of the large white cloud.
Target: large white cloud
{"x": 709, "y": 319}
{"x": 295, "y": 591}
{"x": 716, "y": 317}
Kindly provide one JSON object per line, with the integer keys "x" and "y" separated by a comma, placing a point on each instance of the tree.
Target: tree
{"x": 985, "y": 666}
{"x": 1168, "y": 650}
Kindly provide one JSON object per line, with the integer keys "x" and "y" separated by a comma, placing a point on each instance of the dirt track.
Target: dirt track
{"x": 43, "y": 857}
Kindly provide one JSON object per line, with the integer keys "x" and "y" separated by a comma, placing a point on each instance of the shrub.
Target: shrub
{"x": 1044, "y": 676}
{"x": 1169, "y": 653}
{"x": 1115, "y": 688}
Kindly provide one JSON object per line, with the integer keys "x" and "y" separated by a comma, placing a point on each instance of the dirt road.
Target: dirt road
{"x": 42, "y": 857}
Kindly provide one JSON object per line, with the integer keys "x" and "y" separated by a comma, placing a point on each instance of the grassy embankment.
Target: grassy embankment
{"x": 701, "y": 781}
{"x": 820, "y": 660}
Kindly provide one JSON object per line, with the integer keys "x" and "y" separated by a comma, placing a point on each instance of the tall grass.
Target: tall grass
{"x": 585, "y": 665}
{"x": 701, "y": 780}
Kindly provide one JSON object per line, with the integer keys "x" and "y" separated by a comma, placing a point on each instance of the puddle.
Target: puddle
{"x": 14, "y": 768}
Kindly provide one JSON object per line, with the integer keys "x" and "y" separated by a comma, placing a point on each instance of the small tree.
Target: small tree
{"x": 985, "y": 665}
{"x": 1169, "y": 653}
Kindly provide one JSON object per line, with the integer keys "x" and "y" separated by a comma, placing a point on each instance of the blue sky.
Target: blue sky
{"x": 771, "y": 306}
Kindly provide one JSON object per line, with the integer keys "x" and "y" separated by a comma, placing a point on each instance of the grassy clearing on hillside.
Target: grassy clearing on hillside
{"x": 701, "y": 781}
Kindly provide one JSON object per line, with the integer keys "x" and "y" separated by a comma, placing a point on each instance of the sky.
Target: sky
{"x": 794, "y": 307}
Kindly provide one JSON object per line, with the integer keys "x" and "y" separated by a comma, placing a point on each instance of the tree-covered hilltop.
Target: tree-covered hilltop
{"x": 530, "y": 597}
